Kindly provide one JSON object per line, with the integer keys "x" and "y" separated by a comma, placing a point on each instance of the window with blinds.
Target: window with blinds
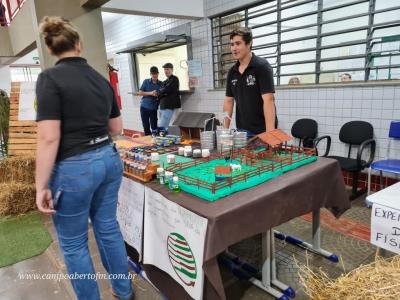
{"x": 315, "y": 41}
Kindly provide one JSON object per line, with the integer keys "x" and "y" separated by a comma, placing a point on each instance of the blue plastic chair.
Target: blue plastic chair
{"x": 387, "y": 165}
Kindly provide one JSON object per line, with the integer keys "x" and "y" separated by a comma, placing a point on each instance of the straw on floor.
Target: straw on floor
{"x": 375, "y": 281}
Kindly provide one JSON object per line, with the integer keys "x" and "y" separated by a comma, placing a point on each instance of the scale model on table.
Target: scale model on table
{"x": 223, "y": 172}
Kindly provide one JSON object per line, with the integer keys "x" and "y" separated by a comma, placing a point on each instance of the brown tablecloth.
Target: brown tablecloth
{"x": 252, "y": 211}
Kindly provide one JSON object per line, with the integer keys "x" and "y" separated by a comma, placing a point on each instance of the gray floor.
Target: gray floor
{"x": 352, "y": 251}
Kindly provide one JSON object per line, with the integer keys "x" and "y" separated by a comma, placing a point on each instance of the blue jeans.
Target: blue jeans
{"x": 249, "y": 133}
{"x": 165, "y": 117}
{"x": 83, "y": 186}
{"x": 149, "y": 118}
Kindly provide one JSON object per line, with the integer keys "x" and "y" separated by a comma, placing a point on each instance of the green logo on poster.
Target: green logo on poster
{"x": 182, "y": 258}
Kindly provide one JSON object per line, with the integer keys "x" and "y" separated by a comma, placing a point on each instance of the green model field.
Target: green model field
{"x": 205, "y": 172}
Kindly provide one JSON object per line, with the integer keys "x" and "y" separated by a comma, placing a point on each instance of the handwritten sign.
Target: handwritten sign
{"x": 174, "y": 240}
{"x": 130, "y": 213}
{"x": 385, "y": 227}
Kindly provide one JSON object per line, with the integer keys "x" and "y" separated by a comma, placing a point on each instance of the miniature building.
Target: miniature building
{"x": 274, "y": 137}
{"x": 190, "y": 124}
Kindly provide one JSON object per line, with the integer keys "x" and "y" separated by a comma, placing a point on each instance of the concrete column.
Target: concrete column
{"x": 5, "y": 44}
{"x": 87, "y": 21}
{"x": 5, "y": 79}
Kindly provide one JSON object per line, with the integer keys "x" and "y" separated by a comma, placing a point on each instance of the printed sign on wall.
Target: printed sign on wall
{"x": 195, "y": 68}
{"x": 195, "y": 72}
{"x": 174, "y": 240}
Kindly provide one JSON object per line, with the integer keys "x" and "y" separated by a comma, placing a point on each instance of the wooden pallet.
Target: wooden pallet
{"x": 22, "y": 134}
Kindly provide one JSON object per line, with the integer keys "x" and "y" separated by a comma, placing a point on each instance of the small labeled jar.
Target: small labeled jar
{"x": 205, "y": 152}
{"x": 188, "y": 152}
{"x": 196, "y": 153}
{"x": 155, "y": 156}
{"x": 171, "y": 158}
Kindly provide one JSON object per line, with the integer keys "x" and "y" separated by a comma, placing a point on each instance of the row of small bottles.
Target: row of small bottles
{"x": 137, "y": 155}
{"x": 167, "y": 178}
{"x": 134, "y": 167}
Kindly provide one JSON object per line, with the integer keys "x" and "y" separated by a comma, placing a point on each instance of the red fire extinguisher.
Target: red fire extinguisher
{"x": 113, "y": 74}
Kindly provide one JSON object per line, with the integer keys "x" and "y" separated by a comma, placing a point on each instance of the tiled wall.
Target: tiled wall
{"x": 331, "y": 107}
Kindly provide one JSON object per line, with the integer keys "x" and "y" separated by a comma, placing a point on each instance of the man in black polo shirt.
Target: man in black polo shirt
{"x": 250, "y": 84}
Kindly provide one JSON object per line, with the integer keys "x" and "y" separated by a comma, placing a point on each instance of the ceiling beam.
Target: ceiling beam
{"x": 93, "y": 3}
{"x": 180, "y": 9}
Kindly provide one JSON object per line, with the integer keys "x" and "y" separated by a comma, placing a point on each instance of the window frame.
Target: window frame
{"x": 218, "y": 51}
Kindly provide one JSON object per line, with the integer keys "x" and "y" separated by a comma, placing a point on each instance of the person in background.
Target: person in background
{"x": 294, "y": 81}
{"x": 169, "y": 96}
{"x": 149, "y": 101}
{"x": 78, "y": 169}
{"x": 345, "y": 77}
{"x": 250, "y": 83}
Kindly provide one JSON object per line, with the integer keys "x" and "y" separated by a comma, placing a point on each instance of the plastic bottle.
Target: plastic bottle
{"x": 161, "y": 175}
{"x": 175, "y": 184}
{"x": 168, "y": 177}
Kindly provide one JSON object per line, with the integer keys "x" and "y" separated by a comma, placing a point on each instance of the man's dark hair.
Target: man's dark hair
{"x": 168, "y": 66}
{"x": 153, "y": 70}
{"x": 245, "y": 33}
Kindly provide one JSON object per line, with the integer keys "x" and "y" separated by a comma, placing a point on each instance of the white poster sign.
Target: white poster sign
{"x": 195, "y": 68}
{"x": 27, "y": 102}
{"x": 130, "y": 212}
{"x": 174, "y": 240}
{"x": 385, "y": 227}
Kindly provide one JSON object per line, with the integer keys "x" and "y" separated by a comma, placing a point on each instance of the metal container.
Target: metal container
{"x": 239, "y": 139}
{"x": 207, "y": 139}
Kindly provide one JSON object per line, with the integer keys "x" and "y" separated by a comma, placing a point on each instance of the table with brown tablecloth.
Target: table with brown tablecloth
{"x": 253, "y": 211}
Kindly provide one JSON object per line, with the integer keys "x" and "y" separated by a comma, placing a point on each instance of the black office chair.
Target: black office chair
{"x": 306, "y": 131}
{"x": 357, "y": 133}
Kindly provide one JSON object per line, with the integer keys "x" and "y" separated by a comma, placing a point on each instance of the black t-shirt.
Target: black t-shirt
{"x": 247, "y": 90}
{"x": 83, "y": 100}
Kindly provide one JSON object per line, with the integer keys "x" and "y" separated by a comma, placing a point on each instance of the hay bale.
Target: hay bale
{"x": 378, "y": 280}
{"x": 18, "y": 169}
{"x": 16, "y": 198}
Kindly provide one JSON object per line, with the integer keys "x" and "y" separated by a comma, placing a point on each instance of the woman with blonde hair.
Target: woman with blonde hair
{"x": 78, "y": 170}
